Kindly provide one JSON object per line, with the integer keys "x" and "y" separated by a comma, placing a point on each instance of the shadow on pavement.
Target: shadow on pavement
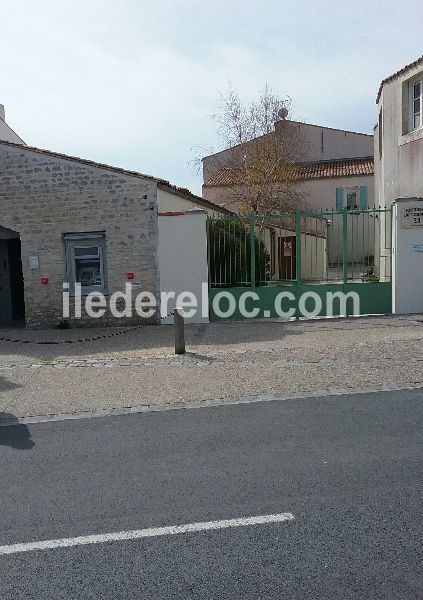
{"x": 77, "y": 343}
{"x": 6, "y": 385}
{"x": 14, "y": 434}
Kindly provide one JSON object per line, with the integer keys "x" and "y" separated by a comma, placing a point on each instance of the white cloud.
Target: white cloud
{"x": 133, "y": 83}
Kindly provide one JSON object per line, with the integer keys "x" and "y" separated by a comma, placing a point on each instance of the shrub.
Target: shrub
{"x": 230, "y": 255}
{"x": 369, "y": 276}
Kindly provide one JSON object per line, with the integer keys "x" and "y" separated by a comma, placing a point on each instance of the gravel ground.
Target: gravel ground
{"x": 124, "y": 368}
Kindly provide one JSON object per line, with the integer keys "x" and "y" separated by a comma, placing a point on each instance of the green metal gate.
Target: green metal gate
{"x": 300, "y": 264}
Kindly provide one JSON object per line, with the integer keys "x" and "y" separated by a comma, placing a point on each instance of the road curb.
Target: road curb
{"x": 210, "y": 403}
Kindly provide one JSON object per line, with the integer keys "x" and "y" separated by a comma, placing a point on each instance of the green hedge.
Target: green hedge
{"x": 230, "y": 255}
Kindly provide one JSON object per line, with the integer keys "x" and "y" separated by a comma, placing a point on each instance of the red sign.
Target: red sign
{"x": 44, "y": 280}
{"x": 287, "y": 245}
{"x": 130, "y": 276}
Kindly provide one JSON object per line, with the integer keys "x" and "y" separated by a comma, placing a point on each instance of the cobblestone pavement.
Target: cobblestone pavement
{"x": 70, "y": 372}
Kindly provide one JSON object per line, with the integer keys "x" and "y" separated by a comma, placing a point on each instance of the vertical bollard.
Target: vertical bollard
{"x": 178, "y": 321}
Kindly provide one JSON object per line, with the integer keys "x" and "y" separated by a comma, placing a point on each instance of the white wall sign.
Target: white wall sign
{"x": 34, "y": 262}
{"x": 407, "y": 257}
{"x": 411, "y": 216}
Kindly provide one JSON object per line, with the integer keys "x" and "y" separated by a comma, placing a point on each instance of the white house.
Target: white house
{"x": 398, "y": 146}
{"x": 337, "y": 170}
{"x": 399, "y": 135}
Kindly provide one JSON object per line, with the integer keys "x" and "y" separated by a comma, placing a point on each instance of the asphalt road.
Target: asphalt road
{"x": 349, "y": 468}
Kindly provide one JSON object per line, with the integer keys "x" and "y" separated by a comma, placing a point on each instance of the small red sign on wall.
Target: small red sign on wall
{"x": 44, "y": 280}
{"x": 130, "y": 276}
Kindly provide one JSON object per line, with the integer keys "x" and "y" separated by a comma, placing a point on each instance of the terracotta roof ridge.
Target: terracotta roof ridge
{"x": 334, "y": 160}
{"x": 310, "y": 162}
{"x": 318, "y": 169}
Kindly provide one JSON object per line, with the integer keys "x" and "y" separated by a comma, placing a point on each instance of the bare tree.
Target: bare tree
{"x": 261, "y": 160}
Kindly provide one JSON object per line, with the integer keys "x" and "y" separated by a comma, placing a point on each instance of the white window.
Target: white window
{"x": 352, "y": 198}
{"x": 85, "y": 261}
{"x": 416, "y": 104}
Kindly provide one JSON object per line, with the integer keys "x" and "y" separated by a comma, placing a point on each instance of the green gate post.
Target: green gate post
{"x": 345, "y": 245}
{"x": 298, "y": 246}
{"x": 298, "y": 258}
{"x": 252, "y": 250}
{"x": 208, "y": 252}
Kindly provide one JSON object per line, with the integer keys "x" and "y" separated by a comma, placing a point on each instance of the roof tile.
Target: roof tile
{"x": 345, "y": 167}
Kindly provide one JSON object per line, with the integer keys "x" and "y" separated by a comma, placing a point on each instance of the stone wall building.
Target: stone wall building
{"x": 65, "y": 219}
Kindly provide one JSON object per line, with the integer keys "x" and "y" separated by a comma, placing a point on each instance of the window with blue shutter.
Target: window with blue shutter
{"x": 339, "y": 198}
{"x": 363, "y": 197}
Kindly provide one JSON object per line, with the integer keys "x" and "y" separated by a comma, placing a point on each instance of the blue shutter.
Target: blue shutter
{"x": 339, "y": 198}
{"x": 363, "y": 197}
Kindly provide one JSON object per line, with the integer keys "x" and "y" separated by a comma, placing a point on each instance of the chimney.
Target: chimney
{"x": 2, "y": 113}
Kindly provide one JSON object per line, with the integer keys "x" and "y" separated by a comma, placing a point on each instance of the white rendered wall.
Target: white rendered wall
{"x": 183, "y": 259}
{"x": 407, "y": 279}
{"x": 319, "y": 193}
{"x": 321, "y": 143}
{"x": 6, "y": 133}
{"x": 313, "y": 257}
{"x": 169, "y": 202}
{"x": 399, "y": 162}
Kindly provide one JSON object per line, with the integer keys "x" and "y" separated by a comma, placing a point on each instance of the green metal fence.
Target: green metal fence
{"x": 304, "y": 248}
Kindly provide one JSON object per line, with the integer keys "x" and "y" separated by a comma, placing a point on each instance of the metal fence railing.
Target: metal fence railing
{"x": 300, "y": 247}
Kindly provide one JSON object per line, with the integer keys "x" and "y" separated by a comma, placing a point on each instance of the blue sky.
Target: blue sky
{"x": 133, "y": 83}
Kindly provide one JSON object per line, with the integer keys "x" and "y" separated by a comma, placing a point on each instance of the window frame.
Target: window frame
{"x": 74, "y": 241}
{"x": 361, "y": 198}
{"x": 353, "y": 189}
{"x": 411, "y": 99}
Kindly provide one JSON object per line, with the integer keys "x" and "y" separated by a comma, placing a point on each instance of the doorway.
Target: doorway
{"x": 12, "y": 302}
{"x": 287, "y": 258}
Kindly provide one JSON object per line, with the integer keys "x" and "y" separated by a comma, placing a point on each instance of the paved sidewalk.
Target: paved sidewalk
{"x": 138, "y": 367}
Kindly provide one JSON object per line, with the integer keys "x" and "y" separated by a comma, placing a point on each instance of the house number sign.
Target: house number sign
{"x": 412, "y": 217}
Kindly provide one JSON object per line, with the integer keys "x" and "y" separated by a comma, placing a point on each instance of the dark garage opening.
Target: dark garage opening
{"x": 16, "y": 279}
{"x": 12, "y": 302}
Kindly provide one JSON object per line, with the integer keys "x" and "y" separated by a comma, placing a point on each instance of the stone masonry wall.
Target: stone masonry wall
{"x": 43, "y": 196}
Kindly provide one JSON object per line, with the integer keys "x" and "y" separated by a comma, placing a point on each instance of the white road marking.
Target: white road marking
{"x": 144, "y": 533}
